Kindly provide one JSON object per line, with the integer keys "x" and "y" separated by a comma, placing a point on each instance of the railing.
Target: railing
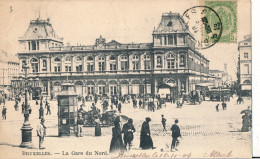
{"x": 114, "y": 72}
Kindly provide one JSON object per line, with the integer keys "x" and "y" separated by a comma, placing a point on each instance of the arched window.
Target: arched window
{"x": 68, "y": 59}
{"x": 57, "y": 64}
{"x": 170, "y": 61}
{"x": 124, "y": 63}
{"x": 136, "y": 62}
{"x": 57, "y": 59}
{"x": 101, "y": 63}
{"x": 112, "y": 63}
{"x": 78, "y": 58}
{"x": 35, "y": 65}
{"x": 90, "y": 64}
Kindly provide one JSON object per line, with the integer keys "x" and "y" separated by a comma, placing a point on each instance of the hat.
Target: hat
{"x": 148, "y": 119}
{"x": 130, "y": 120}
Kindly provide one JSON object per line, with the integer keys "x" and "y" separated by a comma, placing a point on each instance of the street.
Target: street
{"x": 202, "y": 128}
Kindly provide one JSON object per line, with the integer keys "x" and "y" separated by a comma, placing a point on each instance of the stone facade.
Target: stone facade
{"x": 114, "y": 68}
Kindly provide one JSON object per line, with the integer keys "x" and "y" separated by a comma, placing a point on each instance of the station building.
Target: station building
{"x": 169, "y": 65}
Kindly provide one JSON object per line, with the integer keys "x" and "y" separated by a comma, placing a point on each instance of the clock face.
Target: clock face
{"x": 205, "y": 25}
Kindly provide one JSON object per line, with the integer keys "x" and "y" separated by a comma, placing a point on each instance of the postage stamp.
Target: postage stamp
{"x": 227, "y": 11}
{"x": 205, "y": 24}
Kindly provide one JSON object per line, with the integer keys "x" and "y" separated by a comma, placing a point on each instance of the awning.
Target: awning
{"x": 205, "y": 84}
{"x": 165, "y": 86}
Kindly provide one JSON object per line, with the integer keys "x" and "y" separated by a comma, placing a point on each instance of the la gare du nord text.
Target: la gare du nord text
{"x": 65, "y": 153}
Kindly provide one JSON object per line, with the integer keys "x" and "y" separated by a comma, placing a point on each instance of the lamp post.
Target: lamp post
{"x": 41, "y": 110}
{"x": 26, "y": 129}
{"x": 145, "y": 91}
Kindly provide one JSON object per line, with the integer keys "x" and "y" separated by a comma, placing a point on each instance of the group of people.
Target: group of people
{"x": 224, "y": 106}
{"x": 146, "y": 141}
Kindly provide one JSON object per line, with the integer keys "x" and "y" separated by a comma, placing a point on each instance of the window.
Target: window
{"x": 68, "y": 68}
{"x": 57, "y": 68}
{"x": 78, "y": 59}
{"x": 182, "y": 60}
{"x": 246, "y": 55}
{"x": 147, "y": 62}
{"x": 170, "y": 61}
{"x": 112, "y": 62}
{"x": 79, "y": 68}
{"x": 169, "y": 24}
{"x": 101, "y": 90}
{"x": 44, "y": 63}
{"x": 33, "y": 45}
{"x": 170, "y": 40}
{"x": 90, "y": 64}
{"x": 35, "y": 65}
{"x": 246, "y": 68}
{"x": 68, "y": 59}
{"x": 135, "y": 62}
{"x": 57, "y": 59}
{"x": 112, "y": 90}
{"x": 101, "y": 64}
{"x": 90, "y": 89}
{"x": 124, "y": 63}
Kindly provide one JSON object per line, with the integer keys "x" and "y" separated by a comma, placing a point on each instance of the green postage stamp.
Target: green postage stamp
{"x": 227, "y": 12}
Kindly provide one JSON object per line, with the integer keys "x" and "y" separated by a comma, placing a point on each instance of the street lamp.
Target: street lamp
{"x": 41, "y": 110}
{"x": 26, "y": 129}
{"x": 145, "y": 91}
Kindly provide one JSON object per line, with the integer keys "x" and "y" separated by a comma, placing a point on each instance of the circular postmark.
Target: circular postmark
{"x": 205, "y": 25}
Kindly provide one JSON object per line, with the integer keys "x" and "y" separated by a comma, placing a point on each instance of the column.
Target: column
{"x": 163, "y": 39}
{"x": 166, "y": 39}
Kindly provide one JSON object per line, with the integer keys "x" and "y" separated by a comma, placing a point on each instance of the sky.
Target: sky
{"x": 81, "y": 22}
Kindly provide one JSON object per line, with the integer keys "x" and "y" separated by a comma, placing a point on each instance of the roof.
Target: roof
{"x": 171, "y": 22}
{"x": 40, "y": 29}
{"x": 7, "y": 57}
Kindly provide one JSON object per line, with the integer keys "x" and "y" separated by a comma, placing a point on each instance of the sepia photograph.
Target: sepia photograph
{"x": 125, "y": 79}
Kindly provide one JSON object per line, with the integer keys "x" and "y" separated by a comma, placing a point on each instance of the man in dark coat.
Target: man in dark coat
{"x": 128, "y": 130}
{"x": 164, "y": 123}
{"x": 119, "y": 107}
{"x": 4, "y": 113}
{"x": 146, "y": 141}
{"x": 175, "y": 134}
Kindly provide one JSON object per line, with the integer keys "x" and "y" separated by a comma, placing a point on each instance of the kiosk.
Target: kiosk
{"x": 67, "y": 110}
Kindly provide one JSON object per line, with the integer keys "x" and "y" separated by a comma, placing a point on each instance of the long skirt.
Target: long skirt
{"x": 97, "y": 130}
{"x": 116, "y": 144}
{"x": 146, "y": 142}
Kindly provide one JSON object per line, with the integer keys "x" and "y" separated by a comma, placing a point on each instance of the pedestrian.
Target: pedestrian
{"x": 128, "y": 130}
{"x": 23, "y": 108}
{"x": 41, "y": 133}
{"x": 164, "y": 123}
{"x": 80, "y": 123}
{"x": 4, "y": 110}
{"x": 30, "y": 109}
{"x": 97, "y": 127}
{"x": 48, "y": 109}
{"x": 175, "y": 135}
{"x": 116, "y": 142}
{"x": 36, "y": 102}
{"x": 146, "y": 141}
{"x": 140, "y": 104}
{"x": 111, "y": 106}
{"x": 245, "y": 123}
{"x": 96, "y": 99}
{"x": 119, "y": 107}
{"x": 217, "y": 107}
{"x": 46, "y": 103}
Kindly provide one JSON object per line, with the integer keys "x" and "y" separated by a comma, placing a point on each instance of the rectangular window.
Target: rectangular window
{"x": 246, "y": 55}
{"x": 170, "y": 40}
{"x": 101, "y": 89}
{"x": 33, "y": 45}
{"x": 79, "y": 68}
{"x": 90, "y": 67}
{"x": 68, "y": 68}
{"x": 147, "y": 65}
{"x": 124, "y": 65}
{"x": 90, "y": 90}
{"x": 112, "y": 90}
{"x": 112, "y": 67}
{"x": 246, "y": 68}
{"x": 57, "y": 69}
{"x": 135, "y": 65}
{"x": 101, "y": 66}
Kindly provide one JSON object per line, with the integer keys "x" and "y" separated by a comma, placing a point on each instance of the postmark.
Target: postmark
{"x": 227, "y": 11}
{"x": 205, "y": 24}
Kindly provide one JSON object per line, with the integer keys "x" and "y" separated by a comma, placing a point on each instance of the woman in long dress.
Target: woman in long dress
{"x": 146, "y": 141}
{"x": 97, "y": 127}
{"x": 116, "y": 142}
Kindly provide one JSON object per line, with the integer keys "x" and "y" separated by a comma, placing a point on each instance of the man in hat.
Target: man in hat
{"x": 80, "y": 122}
{"x": 119, "y": 107}
{"x": 164, "y": 123}
{"x": 4, "y": 113}
{"x": 146, "y": 141}
{"x": 41, "y": 132}
{"x": 175, "y": 134}
{"x": 128, "y": 130}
